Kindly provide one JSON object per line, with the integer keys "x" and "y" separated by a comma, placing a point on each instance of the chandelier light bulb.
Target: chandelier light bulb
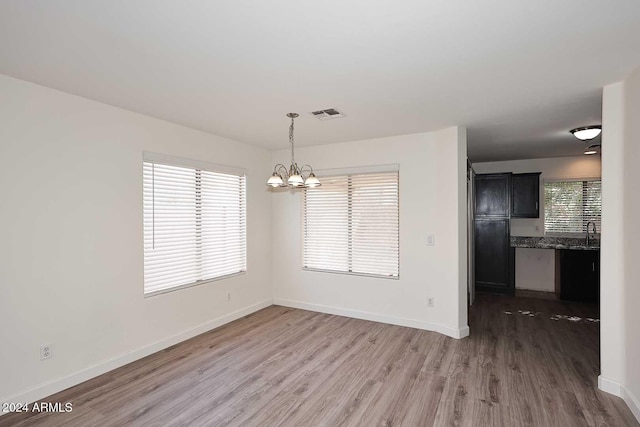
{"x": 312, "y": 181}
{"x": 275, "y": 180}
{"x": 295, "y": 180}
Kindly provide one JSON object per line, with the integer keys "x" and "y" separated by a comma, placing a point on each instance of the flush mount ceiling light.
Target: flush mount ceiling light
{"x": 593, "y": 149}
{"x": 294, "y": 177}
{"x": 586, "y": 133}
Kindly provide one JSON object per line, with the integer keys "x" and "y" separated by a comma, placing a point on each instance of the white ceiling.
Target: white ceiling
{"x": 518, "y": 74}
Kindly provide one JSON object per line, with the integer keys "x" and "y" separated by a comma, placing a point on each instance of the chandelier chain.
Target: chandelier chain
{"x": 291, "y": 140}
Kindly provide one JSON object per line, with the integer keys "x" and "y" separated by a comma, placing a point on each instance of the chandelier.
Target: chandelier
{"x": 294, "y": 177}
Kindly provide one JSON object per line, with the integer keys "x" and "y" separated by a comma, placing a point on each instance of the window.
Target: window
{"x": 570, "y": 205}
{"x": 194, "y": 223}
{"x": 351, "y": 225}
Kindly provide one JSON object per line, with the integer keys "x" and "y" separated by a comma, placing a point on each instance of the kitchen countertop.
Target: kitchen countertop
{"x": 555, "y": 243}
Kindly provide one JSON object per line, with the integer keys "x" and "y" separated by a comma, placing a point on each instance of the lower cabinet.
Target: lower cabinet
{"x": 494, "y": 256}
{"x": 578, "y": 275}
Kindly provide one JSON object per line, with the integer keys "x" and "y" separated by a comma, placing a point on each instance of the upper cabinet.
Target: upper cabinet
{"x": 525, "y": 195}
{"x": 492, "y": 195}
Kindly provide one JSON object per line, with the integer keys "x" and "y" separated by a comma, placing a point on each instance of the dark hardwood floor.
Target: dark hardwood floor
{"x": 527, "y": 362}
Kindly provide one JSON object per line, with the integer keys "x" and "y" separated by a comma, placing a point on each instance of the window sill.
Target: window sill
{"x": 350, "y": 273}
{"x": 191, "y": 285}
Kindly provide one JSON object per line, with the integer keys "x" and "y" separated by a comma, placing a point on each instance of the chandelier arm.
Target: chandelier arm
{"x": 281, "y": 170}
{"x": 306, "y": 169}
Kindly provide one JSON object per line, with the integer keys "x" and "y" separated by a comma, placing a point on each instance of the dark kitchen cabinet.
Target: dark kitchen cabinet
{"x": 578, "y": 275}
{"x": 525, "y": 195}
{"x": 494, "y": 256}
{"x": 492, "y": 195}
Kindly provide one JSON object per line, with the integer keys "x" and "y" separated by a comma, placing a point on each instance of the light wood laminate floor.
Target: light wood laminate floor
{"x": 290, "y": 367}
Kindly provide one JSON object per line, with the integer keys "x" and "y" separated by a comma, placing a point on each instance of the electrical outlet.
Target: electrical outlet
{"x": 430, "y": 302}
{"x": 431, "y": 240}
{"x": 228, "y": 296}
{"x": 537, "y": 228}
{"x": 45, "y": 352}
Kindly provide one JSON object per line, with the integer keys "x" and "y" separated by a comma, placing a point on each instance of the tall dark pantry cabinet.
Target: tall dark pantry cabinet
{"x": 494, "y": 256}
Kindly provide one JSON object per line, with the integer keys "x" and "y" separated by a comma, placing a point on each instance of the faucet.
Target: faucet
{"x": 594, "y": 231}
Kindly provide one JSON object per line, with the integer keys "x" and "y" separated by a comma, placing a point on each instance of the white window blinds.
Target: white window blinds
{"x": 351, "y": 225}
{"x": 570, "y": 205}
{"x": 194, "y": 226}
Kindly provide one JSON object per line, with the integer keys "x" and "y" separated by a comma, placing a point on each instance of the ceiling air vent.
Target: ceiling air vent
{"x": 328, "y": 114}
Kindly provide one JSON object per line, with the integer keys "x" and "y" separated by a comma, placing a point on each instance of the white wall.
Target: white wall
{"x": 612, "y": 244}
{"x": 535, "y": 268}
{"x": 71, "y": 239}
{"x": 620, "y": 270}
{"x": 432, "y": 200}
{"x": 631, "y": 244}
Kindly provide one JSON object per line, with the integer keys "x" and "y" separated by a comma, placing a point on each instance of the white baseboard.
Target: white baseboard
{"x": 535, "y": 290}
{"x": 632, "y": 402}
{"x": 365, "y": 315}
{"x": 610, "y": 386}
{"x": 614, "y": 387}
{"x": 57, "y": 385}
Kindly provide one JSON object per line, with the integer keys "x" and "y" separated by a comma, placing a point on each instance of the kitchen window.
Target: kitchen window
{"x": 194, "y": 223}
{"x": 351, "y": 225}
{"x": 570, "y": 205}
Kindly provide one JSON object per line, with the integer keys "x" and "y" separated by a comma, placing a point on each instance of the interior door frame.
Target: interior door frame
{"x": 471, "y": 279}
